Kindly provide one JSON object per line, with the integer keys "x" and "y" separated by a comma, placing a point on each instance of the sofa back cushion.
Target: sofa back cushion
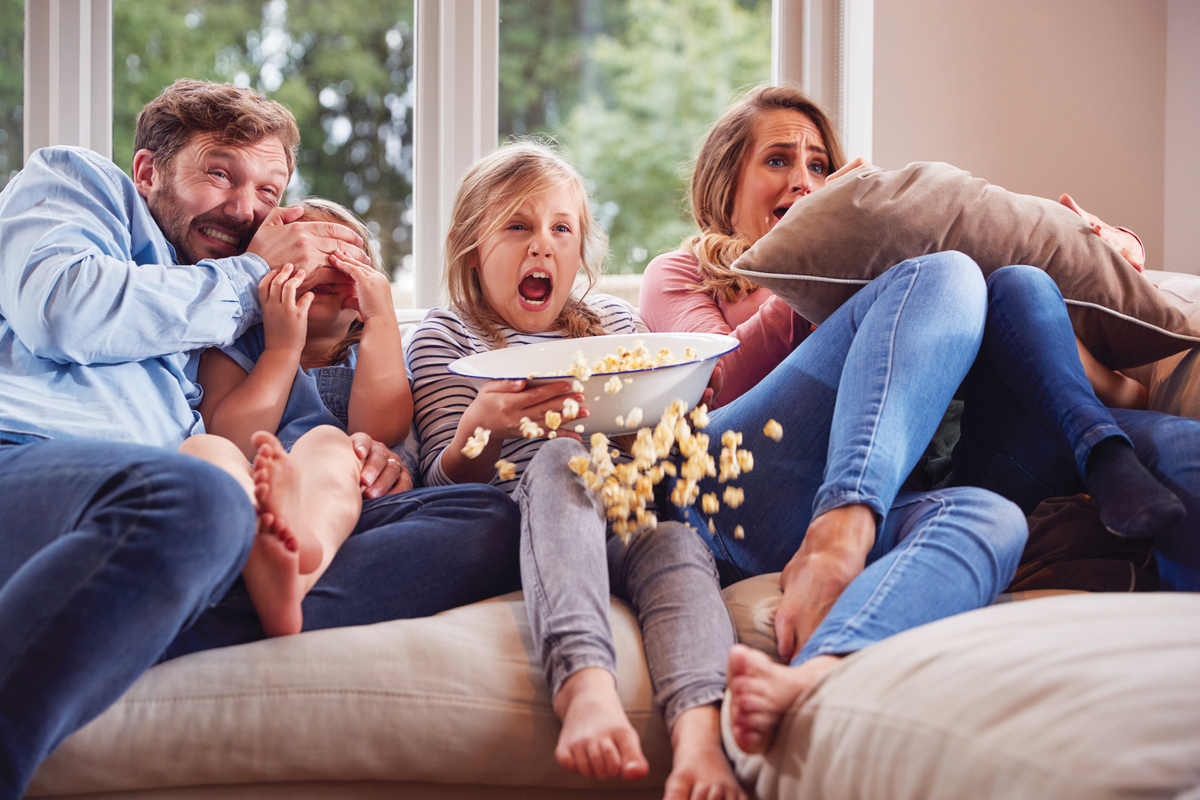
{"x": 833, "y": 242}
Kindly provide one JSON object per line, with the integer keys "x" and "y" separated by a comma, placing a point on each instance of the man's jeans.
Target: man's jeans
{"x": 858, "y": 402}
{"x": 1030, "y": 418}
{"x": 116, "y": 556}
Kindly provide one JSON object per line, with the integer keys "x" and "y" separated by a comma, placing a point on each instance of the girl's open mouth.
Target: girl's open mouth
{"x": 535, "y": 288}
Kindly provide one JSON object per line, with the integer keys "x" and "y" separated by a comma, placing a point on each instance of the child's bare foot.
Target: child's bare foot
{"x": 700, "y": 768}
{"x": 597, "y": 740}
{"x": 282, "y": 551}
{"x": 279, "y": 493}
{"x": 272, "y": 575}
{"x": 762, "y": 691}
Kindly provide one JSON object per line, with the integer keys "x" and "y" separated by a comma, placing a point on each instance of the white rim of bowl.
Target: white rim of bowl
{"x": 731, "y": 341}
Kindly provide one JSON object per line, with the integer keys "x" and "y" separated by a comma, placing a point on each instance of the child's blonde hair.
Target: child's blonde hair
{"x": 491, "y": 191}
{"x": 319, "y": 210}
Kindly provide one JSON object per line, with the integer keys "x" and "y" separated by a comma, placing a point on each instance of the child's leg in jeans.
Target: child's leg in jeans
{"x": 564, "y": 570}
{"x": 670, "y": 577}
{"x": 308, "y": 502}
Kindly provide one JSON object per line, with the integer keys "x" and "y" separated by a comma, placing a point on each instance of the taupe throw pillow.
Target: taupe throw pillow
{"x": 836, "y": 240}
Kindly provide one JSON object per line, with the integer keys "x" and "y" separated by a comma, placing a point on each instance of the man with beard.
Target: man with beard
{"x": 116, "y": 552}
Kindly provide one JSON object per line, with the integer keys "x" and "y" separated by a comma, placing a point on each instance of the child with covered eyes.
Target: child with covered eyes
{"x": 320, "y": 367}
{"x": 520, "y": 231}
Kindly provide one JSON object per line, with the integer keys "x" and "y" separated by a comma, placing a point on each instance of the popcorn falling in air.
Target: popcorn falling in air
{"x": 476, "y": 443}
{"x": 739, "y": 532}
{"x": 773, "y": 429}
{"x": 553, "y": 420}
{"x": 506, "y": 470}
{"x": 625, "y": 488}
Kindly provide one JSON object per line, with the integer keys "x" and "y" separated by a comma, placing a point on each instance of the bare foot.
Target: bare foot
{"x": 272, "y": 575}
{"x": 700, "y": 768}
{"x": 278, "y": 491}
{"x": 281, "y": 552}
{"x": 762, "y": 691}
{"x": 833, "y": 553}
{"x": 597, "y": 740}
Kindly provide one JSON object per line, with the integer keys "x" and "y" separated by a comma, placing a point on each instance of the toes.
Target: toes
{"x": 565, "y": 758}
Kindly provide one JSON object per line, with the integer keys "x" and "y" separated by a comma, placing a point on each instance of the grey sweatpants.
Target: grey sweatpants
{"x": 569, "y": 565}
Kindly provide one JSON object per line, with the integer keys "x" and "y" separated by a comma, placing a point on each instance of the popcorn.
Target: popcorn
{"x": 476, "y": 443}
{"x": 570, "y": 409}
{"x": 626, "y": 488}
{"x": 580, "y": 428}
{"x": 576, "y": 387}
{"x": 699, "y": 416}
{"x": 530, "y": 429}
{"x": 613, "y": 386}
{"x": 553, "y": 420}
{"x": 506, "y": 470}
{"x": 773, "y": 429}
{"x": 739, "y": 532}
{"x": 734, "y": 496}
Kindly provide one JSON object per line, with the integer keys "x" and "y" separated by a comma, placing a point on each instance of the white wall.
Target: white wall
{"x": 1181, "y": 248}
{"x": 1045, "y": 97}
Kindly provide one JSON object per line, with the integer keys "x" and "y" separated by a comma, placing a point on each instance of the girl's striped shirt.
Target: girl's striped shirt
{"x": 440, "y": 397}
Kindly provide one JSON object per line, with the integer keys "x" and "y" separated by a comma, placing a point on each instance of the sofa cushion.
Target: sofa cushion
{"x": 833, "y": 242}
{"x": 1082, "y": 696}
{"x": 451, "y": 698}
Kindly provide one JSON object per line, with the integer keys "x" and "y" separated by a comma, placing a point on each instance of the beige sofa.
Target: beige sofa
{"x": 1088, "y": 696}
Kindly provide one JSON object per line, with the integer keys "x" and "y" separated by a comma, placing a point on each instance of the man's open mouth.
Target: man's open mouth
{"x": 219, "y": 235}
{"x": 535, "y": 288}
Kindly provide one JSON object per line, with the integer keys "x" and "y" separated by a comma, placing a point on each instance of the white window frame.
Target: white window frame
{"x": 824, "y": 45}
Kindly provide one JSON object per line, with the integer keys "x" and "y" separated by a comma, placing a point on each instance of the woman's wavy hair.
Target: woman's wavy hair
{"x": 491, "y": 191}
{"x": 318, "y": 210}
{"x": 717, "y": 172}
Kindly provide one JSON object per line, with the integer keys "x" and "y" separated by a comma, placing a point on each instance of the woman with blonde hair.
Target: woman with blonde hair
{"x": 771, "y": 148}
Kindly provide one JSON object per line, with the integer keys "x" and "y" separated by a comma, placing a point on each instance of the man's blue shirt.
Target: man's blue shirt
{"x": 100, "y": 329}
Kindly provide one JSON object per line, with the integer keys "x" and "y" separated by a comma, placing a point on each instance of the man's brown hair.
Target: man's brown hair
{"x": 234, "y": 115}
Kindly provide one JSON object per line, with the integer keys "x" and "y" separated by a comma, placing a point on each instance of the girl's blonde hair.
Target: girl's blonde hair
{"x": 318, "y": 210}
{"x": 717, "y": 172}
{"x": 490, "y": 193}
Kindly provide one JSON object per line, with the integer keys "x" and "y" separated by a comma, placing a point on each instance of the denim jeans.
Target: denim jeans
{"x": 119, "y": 556}
{"x": 109, "y": 550}
{"x": 858, "y": 402}
{"x": 1030, "y": 418}
{"x": 569, "y": 565}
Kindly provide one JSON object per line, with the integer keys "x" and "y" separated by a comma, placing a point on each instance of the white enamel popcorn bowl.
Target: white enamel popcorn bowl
{"x": 652, "y": 389}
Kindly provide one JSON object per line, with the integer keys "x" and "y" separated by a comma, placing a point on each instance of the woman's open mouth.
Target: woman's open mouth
{"x": 535, "y": 288}
{"x": 779, "y": 212}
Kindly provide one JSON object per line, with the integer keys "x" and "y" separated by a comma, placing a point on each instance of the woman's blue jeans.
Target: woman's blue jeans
{"x": 858, "y": 402}
{"x": 1030, "y": 418}
{"x": 116, "y": 556}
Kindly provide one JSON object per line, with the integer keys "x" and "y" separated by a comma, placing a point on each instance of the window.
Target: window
{"x": 12, "y": 87}
{"x": 344, "y": 69}
{"x": 630, "y": 87}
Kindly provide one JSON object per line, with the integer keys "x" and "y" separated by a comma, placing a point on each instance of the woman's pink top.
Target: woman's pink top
{"x": 765, "y": 325}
